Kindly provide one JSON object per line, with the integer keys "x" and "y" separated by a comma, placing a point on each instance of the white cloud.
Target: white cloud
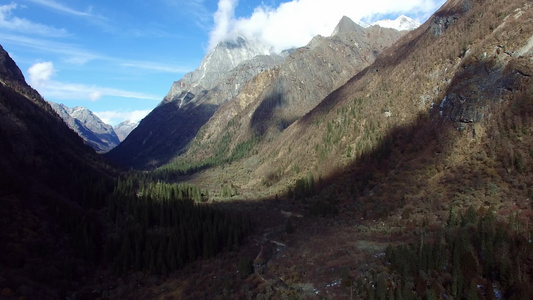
{"x": 224, "y": 19}
{"x": 295, "y": 23}
{"x": 40, "y": 74}
{"x": 87, "y": 14}
{"x": 40, "y": 79}
{"x": 74, "y": 55}
{"x": 12, "y": 23}
{"x": 116, "y": 116}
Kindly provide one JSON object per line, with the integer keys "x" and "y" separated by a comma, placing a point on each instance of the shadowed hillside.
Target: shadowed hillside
{"x": 51, "y": 186}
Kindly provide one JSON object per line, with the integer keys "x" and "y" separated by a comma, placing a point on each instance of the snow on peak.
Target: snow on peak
{"x": 401, "y": 23}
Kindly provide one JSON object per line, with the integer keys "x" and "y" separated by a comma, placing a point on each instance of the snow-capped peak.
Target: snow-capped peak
{"x": 401, "y": 23}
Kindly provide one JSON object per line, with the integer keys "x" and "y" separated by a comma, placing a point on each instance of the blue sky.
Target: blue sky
{"x": 119, "y": 58}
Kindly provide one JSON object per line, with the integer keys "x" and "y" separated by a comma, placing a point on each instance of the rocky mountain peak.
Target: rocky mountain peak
{"x": 346, "y": 26}
{"x": 226, "y": 56}
{"x": 303, "y": 77}
{"x": 100, "y": 136}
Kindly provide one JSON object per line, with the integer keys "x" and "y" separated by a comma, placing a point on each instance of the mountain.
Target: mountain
{"x": 413, "y": 179}
{"x": 296, "y": 84}
{"x": 191, "y": 101}
{"x": 124, "y": 129}
{"x": 51, "y": 186}
{"x": 225, "y": 57}
{"x": 438, "y": 78}
{"x": 401, "y": 23}
{"x": 66, "y": 216}
{"x": 100, "y": 136}
{"x": 275, "y": 99}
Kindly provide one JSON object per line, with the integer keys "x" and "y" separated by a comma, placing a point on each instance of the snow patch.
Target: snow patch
{"x": 401, "y": 23}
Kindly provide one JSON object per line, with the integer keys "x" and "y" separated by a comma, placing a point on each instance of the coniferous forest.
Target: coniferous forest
{"x": 159, "y": 228}
{"x": 476, "y": 256}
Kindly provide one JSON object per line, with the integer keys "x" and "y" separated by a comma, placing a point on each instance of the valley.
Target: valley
{"x": 370, "y": 164}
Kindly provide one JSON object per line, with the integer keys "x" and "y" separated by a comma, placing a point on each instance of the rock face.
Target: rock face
{"x": 124, "y": 129}
{"x": 273, "y": 100}
{"x": 213, "y": 71}
{"x": 302, "y": 78}
{"x": 100, "y": 136}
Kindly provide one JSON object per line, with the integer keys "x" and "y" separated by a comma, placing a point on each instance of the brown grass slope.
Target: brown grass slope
{"x": 474, "y": 53}
{"x": 277, "y": 97}
{"x": 393, "y": 156}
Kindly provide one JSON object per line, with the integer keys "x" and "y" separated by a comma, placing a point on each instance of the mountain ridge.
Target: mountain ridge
{"x": 421, "y": 95}
{"x": 342, "y": 54}
{"x": 279, "y": 99}
{"x": 100, "y": 136}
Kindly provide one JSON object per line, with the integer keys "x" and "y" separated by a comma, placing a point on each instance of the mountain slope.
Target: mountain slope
{"x": 293, "y": 88}
{"x": 438, "y": 74}
{"x": 100, "y": 136}
{"x": 169, "y": 128}
{"x": 278, "y": 97}
{"x": 51, "y": 183}
{"x": 427, "y": 145}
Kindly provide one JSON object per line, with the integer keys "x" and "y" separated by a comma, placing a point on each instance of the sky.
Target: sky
{"x": 120, "y": 58}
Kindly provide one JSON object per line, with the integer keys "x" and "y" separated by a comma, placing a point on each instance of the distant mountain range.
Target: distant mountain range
{"x": 97, "y": 134}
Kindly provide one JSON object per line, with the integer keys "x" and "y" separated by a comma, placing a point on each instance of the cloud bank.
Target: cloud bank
{"x": 295, "y": 23}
